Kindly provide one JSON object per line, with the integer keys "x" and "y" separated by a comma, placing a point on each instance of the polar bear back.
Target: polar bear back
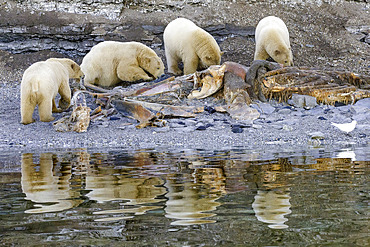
{"x": 273, "y": 24}
{"x": 44, "y": 77}
{"x": 100, "y": 64}
{"x": 180, "y": 31}
{"x": 186, "y": 42}
{"x": 272, "y": 40}
{"x": 110, "y": 62}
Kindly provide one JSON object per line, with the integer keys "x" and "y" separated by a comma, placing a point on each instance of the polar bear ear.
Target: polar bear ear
{"x": 222, "y": 53}
{"x": 277, "y": 52}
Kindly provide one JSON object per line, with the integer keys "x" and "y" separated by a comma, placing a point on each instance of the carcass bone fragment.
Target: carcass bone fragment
{"x": 236, "y": 93}
{"x": 137, "y": 111}
{"x": 211, "y": 82}
{"x": 79, "y": 120}
{"x": 148, "y": 114}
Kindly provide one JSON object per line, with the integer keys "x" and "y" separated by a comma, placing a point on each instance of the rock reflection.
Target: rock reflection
{"x": 191, "y": 199}
{"x": 271, "y": 207}
{"x": 42, "y": 184}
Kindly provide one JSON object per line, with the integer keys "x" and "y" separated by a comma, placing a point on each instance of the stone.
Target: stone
{"x": 360, "y": 109}
{"x": 303, "y": 101}
{"x": 237, "y": 129}
{"x": 285, "y": 111}
{"x": 363, "y": 102}
{"x": 265, "y": 108}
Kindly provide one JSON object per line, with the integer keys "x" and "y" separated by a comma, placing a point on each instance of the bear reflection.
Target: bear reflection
{"x": 42, "y": 185}
{"x": 108, "y": 184}
{"x": 271, "y": 207}
{"x": 189, "y": 198}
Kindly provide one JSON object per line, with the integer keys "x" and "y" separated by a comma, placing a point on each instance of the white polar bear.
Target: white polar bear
{"x": 272, "y": 40}
{"x": 110, "y": 62}
{"x": 40, "y": 84}
{"x": 186, "y": 42}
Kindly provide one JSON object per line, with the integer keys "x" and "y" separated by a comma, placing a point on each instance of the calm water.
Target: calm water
{"x": 187, "y": 198}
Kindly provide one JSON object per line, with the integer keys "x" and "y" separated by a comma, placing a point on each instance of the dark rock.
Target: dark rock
{"x": 321, "y": 118}
{"x": 236, "y": 129}
{"x": 201, "y": 127}
{"x": 362, "y": 135}
{"x": 114, "y": 118}
{"x": 209, "y": 109}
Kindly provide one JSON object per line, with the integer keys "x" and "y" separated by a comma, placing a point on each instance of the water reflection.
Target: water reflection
{"x": 192, "y": 198}
{"x": 47, "y": 184}
{"x": 188, "y": 191}
{"x": 271, "y": 207}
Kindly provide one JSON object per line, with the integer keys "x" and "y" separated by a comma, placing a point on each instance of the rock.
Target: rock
{"x": 359, "y": 109}
{"x": 285, "y": 111}
{"x": 303, "y": 101}
{"x": 201, "y": 127}
{"x": 236, "y": 129}
{"x": 363, "y": 102}
{"x": 265, "y": 108}
{"x": 190, "y": 122}
{"x": 321, "y": 118}
{"x": 209, "y": 109}
{"x": 315, "y": 111}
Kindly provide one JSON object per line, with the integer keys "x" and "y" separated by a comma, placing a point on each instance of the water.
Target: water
{"x": 185, "y": 198}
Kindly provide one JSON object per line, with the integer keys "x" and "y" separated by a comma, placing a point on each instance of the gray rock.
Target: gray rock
{"x": 360, "y": 109}
{"x": 265, "y": 108}
{"x": 304, "y": 101}
{"x": 285, "y": 111}
{"x": 363, "y": 102}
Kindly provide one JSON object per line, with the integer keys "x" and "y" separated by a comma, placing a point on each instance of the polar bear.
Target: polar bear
{"x": 272, "y": 40}
{"x": 110, "y": 62}
{"x": 186, "y": 42}
{"x": 40, "y": 84}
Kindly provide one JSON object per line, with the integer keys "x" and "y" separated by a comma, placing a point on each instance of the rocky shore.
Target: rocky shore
{"x": 330, "y": 35}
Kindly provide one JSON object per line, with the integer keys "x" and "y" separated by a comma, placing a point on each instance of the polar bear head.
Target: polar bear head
{"x": 73, "y": 68}
{"x": 283, "y": 55}
{"x": 153, "y": 65}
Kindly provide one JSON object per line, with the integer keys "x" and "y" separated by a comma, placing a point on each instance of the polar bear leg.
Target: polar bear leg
{"x": 191, "y": 64}
{"x": 261, "y": 54}
{"x": 27, "y": 109}
{"x": 45, "y": 109}
{"x": 135, "y": 73}
{"x": 172, "y": 63}
{"x": 65, "y": 94}
{"x": 55, "y": 108}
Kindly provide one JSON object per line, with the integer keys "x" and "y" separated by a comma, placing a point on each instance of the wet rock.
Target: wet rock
{"x": 322, "y": 118}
